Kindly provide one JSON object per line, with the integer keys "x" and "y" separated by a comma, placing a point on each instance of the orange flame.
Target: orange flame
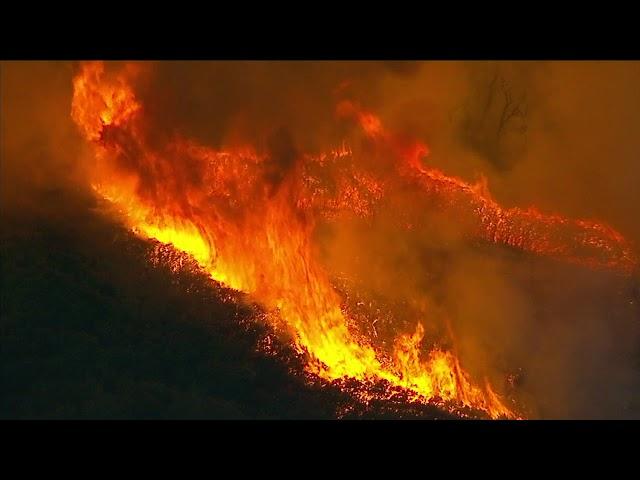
{"x": 584, "y": 242}
{"x": 256, "y": 237}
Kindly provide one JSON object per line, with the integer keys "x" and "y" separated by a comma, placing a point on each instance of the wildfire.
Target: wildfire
{"x": 254, "y": 233}
{"x": 584, "y": 242}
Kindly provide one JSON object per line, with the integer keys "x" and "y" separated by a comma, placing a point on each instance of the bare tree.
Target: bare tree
{"x": 494, "y": 122}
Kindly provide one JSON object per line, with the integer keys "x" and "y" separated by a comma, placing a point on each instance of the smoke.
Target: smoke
{"x": 576, "y": 333}
{"x": 230, "y": 102}
{"x": 559, "y": 135}
{"x": 40, "y": 147}
{"x": 567, "y": 338}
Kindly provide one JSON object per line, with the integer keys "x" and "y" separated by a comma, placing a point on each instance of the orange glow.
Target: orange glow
{"x": 584, "y": 242}
{"x": 256, "y": 236}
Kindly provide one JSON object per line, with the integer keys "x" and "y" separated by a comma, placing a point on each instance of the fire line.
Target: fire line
{"x": 254, "y": 233}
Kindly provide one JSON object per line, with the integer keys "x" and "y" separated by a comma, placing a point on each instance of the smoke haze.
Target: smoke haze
{"x": 564, "y": 136}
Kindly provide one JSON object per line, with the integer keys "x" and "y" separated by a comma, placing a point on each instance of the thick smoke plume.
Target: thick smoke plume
{"x": 561, "y": 339}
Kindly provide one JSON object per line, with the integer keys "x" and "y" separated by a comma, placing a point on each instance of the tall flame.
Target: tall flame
{"x": 254, "y": 234}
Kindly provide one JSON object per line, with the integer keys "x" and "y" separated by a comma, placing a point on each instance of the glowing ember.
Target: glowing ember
{"x": 255, "y": 234}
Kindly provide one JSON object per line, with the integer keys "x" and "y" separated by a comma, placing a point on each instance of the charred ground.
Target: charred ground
{"x": 92, "y": 329}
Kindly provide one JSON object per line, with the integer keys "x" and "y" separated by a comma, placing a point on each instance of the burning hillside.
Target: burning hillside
{"x": 253, "y": 214}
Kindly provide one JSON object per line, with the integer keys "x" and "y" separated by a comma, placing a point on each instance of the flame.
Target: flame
{"x": 583, "y": 242}
{"x": 254, "y": 234}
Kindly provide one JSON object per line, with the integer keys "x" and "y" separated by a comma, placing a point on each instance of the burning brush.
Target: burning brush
{"x": 254, "y": 231}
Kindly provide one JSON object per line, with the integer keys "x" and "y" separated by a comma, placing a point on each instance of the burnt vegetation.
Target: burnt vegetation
{"x": 97, "y": 324}
{"x": 92, "y": 329}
